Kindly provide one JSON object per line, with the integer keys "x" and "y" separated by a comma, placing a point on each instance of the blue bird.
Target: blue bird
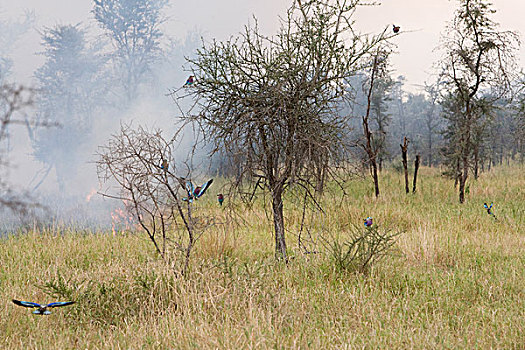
{"x": 164, "y": 165}
{"x": 489, "y": 210}
{"x": 42, "y": 309}
{"x": 190, "y": 81}
{"x": 194, "y": 192}
{"x": 368, "y": 221}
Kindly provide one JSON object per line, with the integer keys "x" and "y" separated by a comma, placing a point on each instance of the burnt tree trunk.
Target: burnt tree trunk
{"x": 416, "y": 168}
{"x": 376, "y": 179}
{"x": 372, "y": 154}
{"x": 404, "y": 148}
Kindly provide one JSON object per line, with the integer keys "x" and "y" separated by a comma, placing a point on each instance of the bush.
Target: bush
{"x": 359, "y": 248}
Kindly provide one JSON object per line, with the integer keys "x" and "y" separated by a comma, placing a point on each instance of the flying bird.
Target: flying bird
{"x": 220, "y": 198}
{"x": 190, "y": 81}
{"x": 489, "y": 210}
{"x": 194, "y": 192}
{"x": 42, "y": 309}
{"x": 395, "y": 28}
{"x": 368, "y": 221}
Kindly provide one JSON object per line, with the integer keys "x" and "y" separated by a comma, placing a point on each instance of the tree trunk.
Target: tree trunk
{"x": 463, "y": 179}
{"x": 278, "y": 222}
{"x": 404, "y": 148}
{"x": 416, "y": 168}
{"x": 430, "y": 149}
{"x": 376, "y": 180}
{"x": 476, "y": 163}
{"x": 457, "y": 174}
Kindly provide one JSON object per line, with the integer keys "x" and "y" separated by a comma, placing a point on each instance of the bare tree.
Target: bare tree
{"x": 478, "y": 58}
{"x": 378, "y": 70}
{"x": 138, "y": 167}
{"x": 404, "y": 149}
{"x": 273, "y": 103}
{"x": 12, "y": 99}
{"x": 416, "y": 168}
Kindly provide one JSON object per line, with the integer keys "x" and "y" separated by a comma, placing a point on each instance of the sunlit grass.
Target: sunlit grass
{"x": 455, "y": 279}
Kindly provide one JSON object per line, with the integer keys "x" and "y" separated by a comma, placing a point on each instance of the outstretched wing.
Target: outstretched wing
{"x": 204, "y": 187}
{"x": 26, "y": 303}
{"x": 189, "y": 188}
{"x": 60, "y": 303}
{"x": 485, "y": 205}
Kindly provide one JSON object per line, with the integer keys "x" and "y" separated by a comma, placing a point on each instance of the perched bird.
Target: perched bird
{"x": 42, "y": 309}
{"x": 164, "y": 165}
{"x": 489, "y": 210}
{"x": 190, "y": 81}
{"x": 395, "y": 28}
{"x": 220, "y": 198}
{"x": 368, "y": 221}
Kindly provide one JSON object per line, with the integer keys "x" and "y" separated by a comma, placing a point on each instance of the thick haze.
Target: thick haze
{"x": 422, "y": 23}
{"x": 421, "y": 20}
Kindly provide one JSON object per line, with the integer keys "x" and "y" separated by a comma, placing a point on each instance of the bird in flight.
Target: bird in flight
{"x": 489, "y": 210}
{"x": 42, "y": 309}
{"x": 395, "y": 28}
{"x": 194, "y": 192}
{"x": 368, "y": 222}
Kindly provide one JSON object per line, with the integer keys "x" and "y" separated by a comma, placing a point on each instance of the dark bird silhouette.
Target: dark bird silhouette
{"x": 395, "y": 28}
{"x": 42, "y": 309}
{"x": 220, "y": 198}
{"x": 368, "y": 222}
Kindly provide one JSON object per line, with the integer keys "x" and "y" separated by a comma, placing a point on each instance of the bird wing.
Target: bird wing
{"x": 485, "y": 205}
{"x": 204, "y": 188}
{"x": 60, "y": 303}
{"x": 26, "y": 303}
{"x": 189, "y": 188}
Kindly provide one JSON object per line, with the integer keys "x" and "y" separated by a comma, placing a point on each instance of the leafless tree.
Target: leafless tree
{"x": 478, "y": 65}
{"x": 138, "y": 168}
{"x": 13, "y": 98}
{"x": 404, "y": 149}
{"x": 378, "y": 70}
{"x": 274, "y": 103}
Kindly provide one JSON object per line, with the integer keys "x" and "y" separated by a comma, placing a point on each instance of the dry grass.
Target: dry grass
{"x": 455, "y": 281}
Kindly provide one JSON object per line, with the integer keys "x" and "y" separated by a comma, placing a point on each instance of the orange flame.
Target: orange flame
{"x": 121, "y": 221}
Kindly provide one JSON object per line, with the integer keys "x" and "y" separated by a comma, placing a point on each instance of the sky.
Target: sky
{"x": 422, "y": 23}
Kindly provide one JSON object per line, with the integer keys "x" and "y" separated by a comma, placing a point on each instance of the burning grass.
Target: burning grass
{"x": 455, "y": 279}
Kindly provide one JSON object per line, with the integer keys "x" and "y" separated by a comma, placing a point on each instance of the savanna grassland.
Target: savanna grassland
{"x": 455, "y": 279}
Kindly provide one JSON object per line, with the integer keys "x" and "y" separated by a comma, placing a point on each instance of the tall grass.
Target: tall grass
{"x": 455, "y": 279}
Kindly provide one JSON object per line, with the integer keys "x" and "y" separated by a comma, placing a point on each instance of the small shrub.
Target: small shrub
{"x": 359, "y": 248}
